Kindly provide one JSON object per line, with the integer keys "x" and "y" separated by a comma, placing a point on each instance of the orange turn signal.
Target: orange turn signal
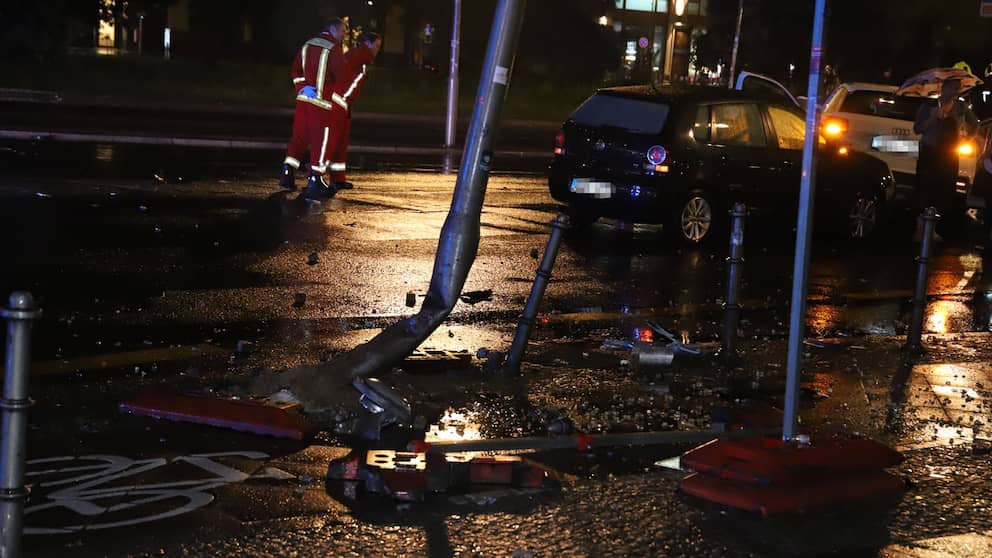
{"x": 834, "y": 127}
{"x": 966, "y": 149}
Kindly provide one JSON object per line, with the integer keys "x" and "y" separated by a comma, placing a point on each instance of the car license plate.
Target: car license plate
{"x": 895, "y": 144}
{"x": 591, "y": 187}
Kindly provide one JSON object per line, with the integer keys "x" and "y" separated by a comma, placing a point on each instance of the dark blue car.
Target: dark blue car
{"x": 681, "y": 156}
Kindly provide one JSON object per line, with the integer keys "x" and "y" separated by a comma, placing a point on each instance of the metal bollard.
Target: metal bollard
{"x": 14, "y": 407}
{"x": 732, "y": 308}
{"x": 914, "y": 336}
{"x": 522, "y": 335}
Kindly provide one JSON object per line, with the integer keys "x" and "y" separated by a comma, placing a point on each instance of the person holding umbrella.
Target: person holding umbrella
{"x": 941, "y": 128}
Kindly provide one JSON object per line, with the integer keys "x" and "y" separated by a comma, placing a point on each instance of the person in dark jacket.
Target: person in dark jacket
{"x": 941, "y": 129}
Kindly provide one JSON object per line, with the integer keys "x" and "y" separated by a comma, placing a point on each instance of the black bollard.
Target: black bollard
{"x": 914, "y": 342}
{"x": 522, "y": 335}
{"x": 14, "y": 406}
{"x": 732, "y": 308}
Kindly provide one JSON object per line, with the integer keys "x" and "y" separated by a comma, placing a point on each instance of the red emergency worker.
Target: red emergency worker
{"x": 358, "y": 60}
{"x": 319, "y": 75}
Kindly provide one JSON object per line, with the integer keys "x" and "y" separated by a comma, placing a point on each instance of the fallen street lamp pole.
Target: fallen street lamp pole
{"x": 316, "y": 387}
{"x": 804, "y": 232}
{"x": 14, "y": 406}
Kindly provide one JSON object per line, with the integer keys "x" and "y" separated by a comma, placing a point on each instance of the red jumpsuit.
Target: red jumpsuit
{"x": 357, "y": 61}
{"x": 320, "y": 64}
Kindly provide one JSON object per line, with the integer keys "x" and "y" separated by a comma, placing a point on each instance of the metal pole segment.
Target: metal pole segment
{"x": 459, "y": 239}
{"x": 804, "y": 230}
{"x": 451, "y": 120}
{"x": 522, "y": 335}
{"x": 914, "y": 336}
{"x": 737, "y": 40}
{"x": 14, "y": 406}
{"x": 732, "y": 308}
{"x": 593, "y": 441}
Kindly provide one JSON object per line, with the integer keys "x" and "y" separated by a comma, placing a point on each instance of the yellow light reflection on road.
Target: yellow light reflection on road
{"x": 944, "y": 315}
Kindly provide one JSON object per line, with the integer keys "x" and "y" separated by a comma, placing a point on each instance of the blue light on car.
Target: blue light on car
{"x": 635, "y": 191}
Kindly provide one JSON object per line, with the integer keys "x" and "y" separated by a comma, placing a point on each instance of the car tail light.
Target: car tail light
{"x": 834, "y": 127}
{"x": 966, "y": 149}
{"x": 560, "y": 142}
{"x": 657, "y": 155}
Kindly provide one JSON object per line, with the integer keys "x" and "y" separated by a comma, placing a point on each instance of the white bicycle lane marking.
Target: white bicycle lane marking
{"x": 87, "y": 487}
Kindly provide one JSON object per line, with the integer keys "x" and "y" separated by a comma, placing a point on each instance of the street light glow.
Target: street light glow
{"x": 604, "y": 21}
{"x": 680, "y": 7}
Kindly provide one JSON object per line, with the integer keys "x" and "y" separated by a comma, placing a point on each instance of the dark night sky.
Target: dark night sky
{"x": 863, "y": 36}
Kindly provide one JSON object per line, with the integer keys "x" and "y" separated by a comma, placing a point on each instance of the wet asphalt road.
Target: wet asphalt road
{"x": 188, "y": 280}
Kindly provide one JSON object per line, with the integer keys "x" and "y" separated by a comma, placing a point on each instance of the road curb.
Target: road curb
{"x": 76, "y": 137}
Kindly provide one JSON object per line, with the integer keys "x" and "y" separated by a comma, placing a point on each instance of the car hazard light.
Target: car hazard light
{"x": 834, "y": 127}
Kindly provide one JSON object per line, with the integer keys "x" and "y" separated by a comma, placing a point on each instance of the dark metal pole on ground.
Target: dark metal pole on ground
{"x": 914, "y": 337}
{"x": 592, "y": 441}
{"x": 522, "y": 335}
{"x": 804, "y": 231}
{"x": 459, "y": 239}
{"x": 732, "y": 308}
{"x": 14, "y": 407}
{"x": 737, "y": 41}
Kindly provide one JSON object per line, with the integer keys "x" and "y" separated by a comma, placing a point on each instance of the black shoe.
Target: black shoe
{"x": 287, "y": 178}
{"x": 344, "y": 185}
{"x": 317, "y": 189}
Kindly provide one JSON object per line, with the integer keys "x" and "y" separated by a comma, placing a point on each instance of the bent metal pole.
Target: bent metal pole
{"x": 804, "y": 230}
{"x": 459, "y": 240}
{"x": 14, "y": 406}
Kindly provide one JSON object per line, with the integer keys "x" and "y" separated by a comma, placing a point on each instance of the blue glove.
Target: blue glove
{"x": 309, "y": 91}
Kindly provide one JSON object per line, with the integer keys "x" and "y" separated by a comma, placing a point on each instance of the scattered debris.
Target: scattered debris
{"x": 299, "y": 299}
{"x": 828, "y": 342}
{"x": 411, "y": 299}
{"x": 533, "y": 253}
{"x": 410, "y": 476}
{"x": 279, "y": 419}
{"x": 653, "y": 356}
{"x": 436, "y": 360}
{"x": 313, "y": 259}
{"x": 561, "y": 426}
{"x": 475, "y": 297}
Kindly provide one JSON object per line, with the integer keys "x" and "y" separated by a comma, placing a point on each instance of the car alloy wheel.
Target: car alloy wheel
{"x": 696, "y": 219}
{"x": 862, "y": 218}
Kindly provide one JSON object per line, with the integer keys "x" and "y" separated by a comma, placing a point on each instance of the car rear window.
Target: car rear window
{"x": 632, "y": 115}
{"x": 879, "y": 103}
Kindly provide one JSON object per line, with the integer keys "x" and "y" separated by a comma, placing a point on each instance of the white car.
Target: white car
{"x": 871, "y": 118}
